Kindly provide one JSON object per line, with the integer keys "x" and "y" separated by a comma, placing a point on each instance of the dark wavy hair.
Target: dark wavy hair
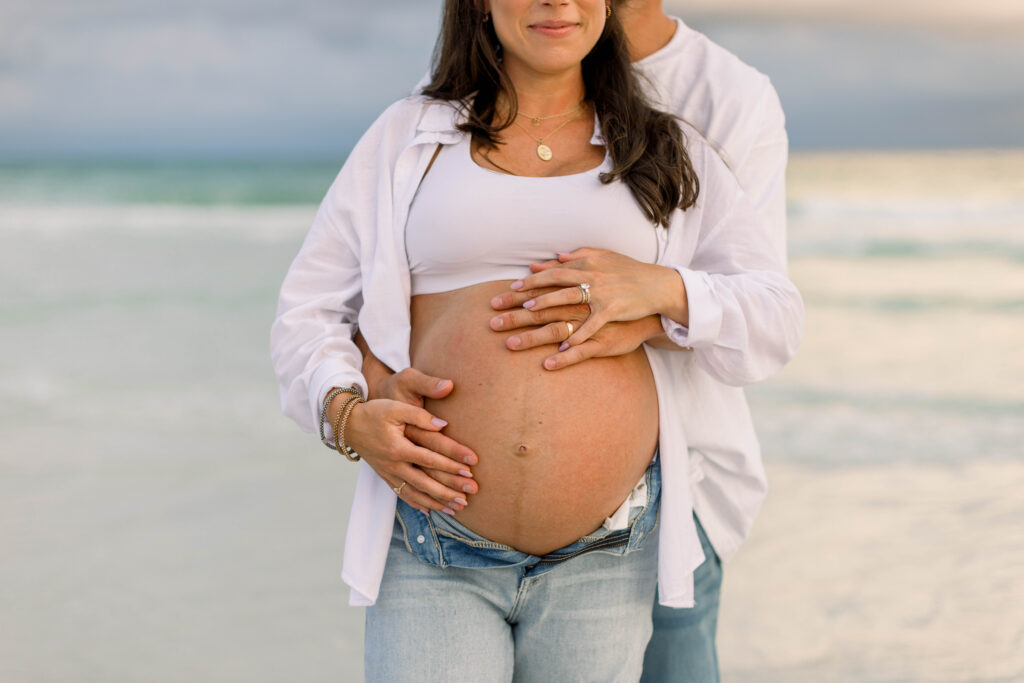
{"x": 646, "y": 145}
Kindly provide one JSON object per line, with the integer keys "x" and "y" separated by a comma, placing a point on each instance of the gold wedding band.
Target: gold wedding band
{"x": 398, "y": 489}
{"x": 571, "y": 328}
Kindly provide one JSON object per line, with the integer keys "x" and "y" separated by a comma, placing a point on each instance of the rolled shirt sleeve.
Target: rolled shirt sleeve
{"x": 745, "y": 316}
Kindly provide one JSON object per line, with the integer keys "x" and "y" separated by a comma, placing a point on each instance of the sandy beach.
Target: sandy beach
{"x": 224, "y": 568}
{"x": 881, "y": 573}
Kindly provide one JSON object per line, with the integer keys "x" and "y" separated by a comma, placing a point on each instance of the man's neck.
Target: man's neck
{"x": 647, "y": 26}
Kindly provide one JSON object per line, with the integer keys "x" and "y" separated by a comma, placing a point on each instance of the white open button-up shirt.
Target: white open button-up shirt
{"x": 352, "y": 272}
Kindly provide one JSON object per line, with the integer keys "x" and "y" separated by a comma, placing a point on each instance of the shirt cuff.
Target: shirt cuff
{"x": 704, "y": 310}
{"x": 327, "y": 380}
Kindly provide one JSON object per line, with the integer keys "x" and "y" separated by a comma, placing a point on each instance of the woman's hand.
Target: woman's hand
{"x": 621, "y": 289}
{"x": 435, "y": 467}
{"x": 377, "y": 431}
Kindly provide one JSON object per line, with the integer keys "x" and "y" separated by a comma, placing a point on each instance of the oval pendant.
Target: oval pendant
{"x": 544, "y": 152}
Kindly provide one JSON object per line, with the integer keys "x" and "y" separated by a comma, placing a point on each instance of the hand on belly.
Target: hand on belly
{"x": 558, "y": 452}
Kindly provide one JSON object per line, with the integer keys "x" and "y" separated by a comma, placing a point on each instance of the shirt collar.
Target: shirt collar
{"x": 440, "y": 117}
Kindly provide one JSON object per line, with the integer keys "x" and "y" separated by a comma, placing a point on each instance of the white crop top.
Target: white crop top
{"x": 469, "y": 224}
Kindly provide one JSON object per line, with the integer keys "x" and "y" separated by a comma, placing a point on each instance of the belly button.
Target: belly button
{"x": 523, "y": 449}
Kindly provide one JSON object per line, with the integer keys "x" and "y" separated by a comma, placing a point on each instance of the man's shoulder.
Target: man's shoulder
{"x": 692, "y": 54}
{"x": 730, "y": 103}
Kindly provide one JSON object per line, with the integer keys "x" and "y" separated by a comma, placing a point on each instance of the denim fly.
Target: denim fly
{"x": 441, "y": 541}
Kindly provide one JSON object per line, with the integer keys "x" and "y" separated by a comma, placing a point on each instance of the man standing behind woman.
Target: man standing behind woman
{"x": 738, "y": 111}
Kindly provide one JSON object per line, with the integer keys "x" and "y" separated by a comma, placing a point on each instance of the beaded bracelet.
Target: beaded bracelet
{"x": 327, "y": 401}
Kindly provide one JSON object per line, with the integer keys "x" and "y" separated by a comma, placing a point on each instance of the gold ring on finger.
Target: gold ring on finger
{"x": 398, "y": 489}
{"x": 571, "y": 328}
{"x": 585, "y": 291}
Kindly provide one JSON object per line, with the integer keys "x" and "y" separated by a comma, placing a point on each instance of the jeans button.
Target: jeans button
{"x": 420, "y": 538}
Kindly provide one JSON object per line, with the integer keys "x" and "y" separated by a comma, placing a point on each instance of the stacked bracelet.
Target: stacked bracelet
{"x": 354, "y": 390}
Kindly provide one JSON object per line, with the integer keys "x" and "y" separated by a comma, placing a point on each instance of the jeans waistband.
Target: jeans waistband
{"x": 442, "y": 541}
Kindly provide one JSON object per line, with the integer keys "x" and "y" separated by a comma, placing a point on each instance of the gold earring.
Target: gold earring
{"x": 487, "y": 17}
{"x": 609, "y": 8}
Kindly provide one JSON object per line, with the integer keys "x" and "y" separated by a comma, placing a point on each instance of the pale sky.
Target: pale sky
{"x": 989, "y": 16}
{"x": 304, "y": 77}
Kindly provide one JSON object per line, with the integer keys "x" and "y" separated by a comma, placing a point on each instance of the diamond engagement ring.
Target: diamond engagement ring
{"x": 585, "y": 291}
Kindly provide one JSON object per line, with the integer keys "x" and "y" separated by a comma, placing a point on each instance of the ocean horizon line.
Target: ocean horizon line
{"x": 337, "y": 155}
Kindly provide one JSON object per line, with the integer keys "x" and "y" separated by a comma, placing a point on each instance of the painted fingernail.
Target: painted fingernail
{"x": 468, "y": 460}
{"x": 467, "y": 489}
{"x": 514, "y": 342}
{"x": 425, "y": 513}
{"x": 564, "y": 346}
{"x": 461, "y": 501}
{"x": 530, "y": 304}
{"x": 497, "y": 323}
{"x": 518, "y": 284}
{"x": 443, "y": 384}
{"x": 448, "y": 511}
{"x": 467, "y": 474}
{"x": 438, "y": 422}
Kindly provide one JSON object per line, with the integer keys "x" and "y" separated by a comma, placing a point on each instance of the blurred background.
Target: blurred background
{"x": 159, "y": 165}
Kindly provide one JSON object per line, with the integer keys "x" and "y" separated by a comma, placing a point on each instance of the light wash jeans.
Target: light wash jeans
{"x": 454, "y": 606}
{"x": 682, "y": 648}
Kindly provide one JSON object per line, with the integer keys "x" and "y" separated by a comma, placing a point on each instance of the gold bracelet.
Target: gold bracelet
{"x": 338, "y": 422}
{"x": 343, "y": 447}
{"x": 323, "y": 410}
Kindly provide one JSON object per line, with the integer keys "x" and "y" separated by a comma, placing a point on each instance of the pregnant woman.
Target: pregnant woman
{"x": 531, "y": 139}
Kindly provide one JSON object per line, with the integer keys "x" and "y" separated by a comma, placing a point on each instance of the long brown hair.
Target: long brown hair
{"x": 646, "y": 145}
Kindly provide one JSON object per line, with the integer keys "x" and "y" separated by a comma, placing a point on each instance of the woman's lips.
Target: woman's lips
{"x": 554, "y": 29}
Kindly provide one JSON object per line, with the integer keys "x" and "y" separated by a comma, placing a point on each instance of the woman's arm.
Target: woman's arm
{"x": 312, "y": 338}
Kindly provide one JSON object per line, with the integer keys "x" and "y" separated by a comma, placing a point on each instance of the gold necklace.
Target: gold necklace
{"x": 543, "y": 151}
{"x": 535, "y": 120}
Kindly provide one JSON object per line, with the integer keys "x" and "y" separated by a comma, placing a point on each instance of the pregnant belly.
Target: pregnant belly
{"x": 559, "y": 451}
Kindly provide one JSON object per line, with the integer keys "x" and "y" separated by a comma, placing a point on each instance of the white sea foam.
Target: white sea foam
{"x": 258, "y": 223}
